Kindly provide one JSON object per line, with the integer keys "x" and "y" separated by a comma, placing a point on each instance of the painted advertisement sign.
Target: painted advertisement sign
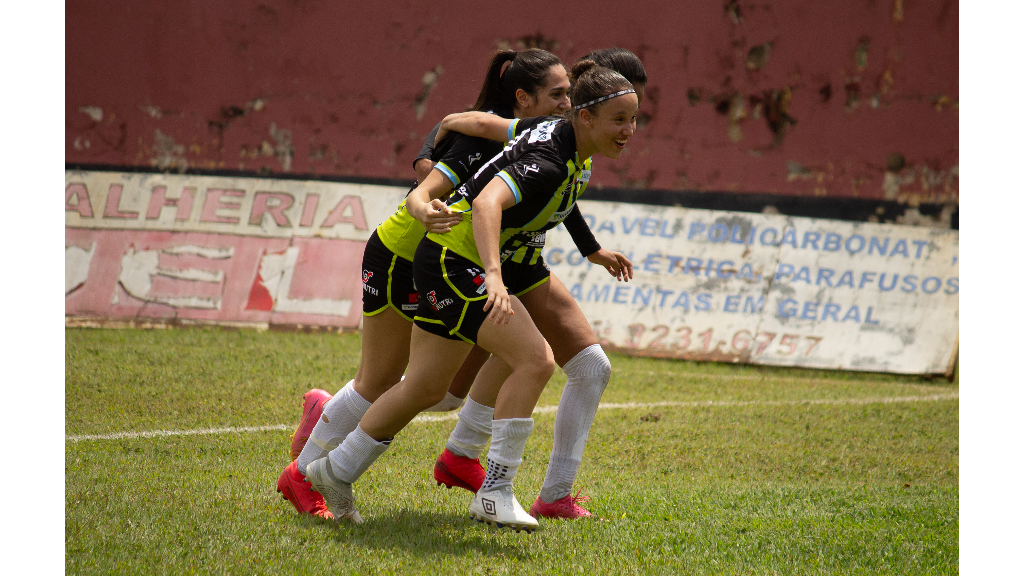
{"x": 708, "y": 284}
{"x": 769, "y": 289}
{"x": 222, "y": 250}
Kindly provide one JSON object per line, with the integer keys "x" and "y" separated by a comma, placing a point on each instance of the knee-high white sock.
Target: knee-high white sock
{"x": 471, "y": 434}
{"x": 450, "y": 402}
{"x": 353, "y": 456}
{"x": 340, "y": 417}
{"x": 506, "y": 453}
{"x": 588, "y": 373}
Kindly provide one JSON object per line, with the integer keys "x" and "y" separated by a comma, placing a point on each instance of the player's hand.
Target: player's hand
{"x": 437, "y": 217}
{"x": 498, "y": 300}
{"x": 615, "y": 263}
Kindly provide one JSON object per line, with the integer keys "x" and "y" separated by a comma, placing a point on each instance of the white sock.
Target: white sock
{"x": 341, "y": 416}
{"x": 470, "y": 436}
{"x": 506, "y": 453}
{"x": 588, "y": 373}
{"x": 355, "y": 455}
{"x": 450, "y": 402}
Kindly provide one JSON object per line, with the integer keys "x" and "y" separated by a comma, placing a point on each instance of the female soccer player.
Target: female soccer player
{"x": 576, "y": 350}
{"x": 507, "y": 207}
{"x": 523, "y": 84}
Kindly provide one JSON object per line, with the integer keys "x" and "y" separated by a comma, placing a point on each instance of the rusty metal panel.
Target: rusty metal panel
{"x": 845, "y": 99}
{"x": 715, "y": 285}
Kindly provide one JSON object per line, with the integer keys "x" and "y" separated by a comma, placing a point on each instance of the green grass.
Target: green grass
{"x": 764, "y": 483}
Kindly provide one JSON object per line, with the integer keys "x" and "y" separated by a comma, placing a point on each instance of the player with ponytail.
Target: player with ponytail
{"x": 507, "y": 206}
{"x": 517, "y": 84}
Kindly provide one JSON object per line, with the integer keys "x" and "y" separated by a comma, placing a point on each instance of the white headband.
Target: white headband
{"x": 603, "y": 98}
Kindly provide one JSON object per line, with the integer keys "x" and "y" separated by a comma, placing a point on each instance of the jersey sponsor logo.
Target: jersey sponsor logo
{"x": 536, "y": 239}
{"x": 473, "y": 158}
{"x": 495, "y": 158}
{"x": 478, "y": 279}
{"x": 542, "y": 132}
{"x": 585, "y": 176}
{"x": 435, "y": 303}
{"x": 559, "y": 216}
{"x": 524, "y": 170}
{"x": 409, "y": 307}
{"x": 366, "y": 278}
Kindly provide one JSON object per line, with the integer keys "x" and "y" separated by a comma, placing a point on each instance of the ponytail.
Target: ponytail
{"x": 509, "y": 71}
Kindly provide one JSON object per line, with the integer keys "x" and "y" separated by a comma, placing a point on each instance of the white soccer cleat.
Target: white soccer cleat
{"x": 337, "y": 494}
{"x": 500, "y": 508}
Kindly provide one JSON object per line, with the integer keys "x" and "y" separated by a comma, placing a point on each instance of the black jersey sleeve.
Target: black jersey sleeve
{"x": 427, "y": 152}
{"x": 464, "y": 156}
{"x": 580, "y": 232}
{"x": 534, "y": 175}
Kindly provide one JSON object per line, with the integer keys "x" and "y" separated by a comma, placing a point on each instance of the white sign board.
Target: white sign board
{"x": 768, "y": 289}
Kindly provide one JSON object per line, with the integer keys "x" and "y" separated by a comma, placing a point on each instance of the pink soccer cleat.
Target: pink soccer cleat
{"x": 567, "y": 508}
{"x": 294, "y": 488}
{"x": 453, "y": 470}
{"x": 313, "y": 403}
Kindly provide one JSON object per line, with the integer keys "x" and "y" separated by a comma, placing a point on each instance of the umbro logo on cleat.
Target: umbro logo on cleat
{"x": 489, "y": 506}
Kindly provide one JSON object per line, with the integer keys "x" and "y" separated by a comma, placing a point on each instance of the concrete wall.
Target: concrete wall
{"x": 818, "y": 99}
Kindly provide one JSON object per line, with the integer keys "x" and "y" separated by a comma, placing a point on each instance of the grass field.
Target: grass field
{"x": 743, "y": 470}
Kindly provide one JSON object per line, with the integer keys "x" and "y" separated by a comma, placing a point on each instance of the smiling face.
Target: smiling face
{"x": 607, "y": 128}
{"x": 552, "y": 99}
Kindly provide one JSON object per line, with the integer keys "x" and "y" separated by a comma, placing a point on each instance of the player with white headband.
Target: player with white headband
{"x": 507, "y": 207}
{"x": 528, "y": 83}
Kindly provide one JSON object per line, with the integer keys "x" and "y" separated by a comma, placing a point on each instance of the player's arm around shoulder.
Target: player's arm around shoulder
{"x": 479, "y": 124}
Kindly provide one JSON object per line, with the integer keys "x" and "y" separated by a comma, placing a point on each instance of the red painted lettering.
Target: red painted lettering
{"x": 356, "y": 216}
{"x": 159, "y": 200}
{"x": 81, "y": 204}
{"x": 113, "y": 207}
{"x": 214, "y": 203}
{"x": 309, "y": 209}
{"x": 261, "y": 205}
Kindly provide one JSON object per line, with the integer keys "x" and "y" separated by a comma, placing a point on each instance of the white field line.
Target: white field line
{"x": 538, "y": 410}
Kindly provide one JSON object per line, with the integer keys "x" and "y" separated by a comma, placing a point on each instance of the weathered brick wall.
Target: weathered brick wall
{"x": 834, "y": 99}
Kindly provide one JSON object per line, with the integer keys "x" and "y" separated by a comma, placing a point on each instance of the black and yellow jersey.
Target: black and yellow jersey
{"x": 546, "y": 175}
{"x": 457, "y": 156}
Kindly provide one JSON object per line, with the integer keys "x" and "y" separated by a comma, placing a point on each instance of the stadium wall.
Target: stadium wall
{"x": 837, "y": 109}
{"x": 226, "y": 163}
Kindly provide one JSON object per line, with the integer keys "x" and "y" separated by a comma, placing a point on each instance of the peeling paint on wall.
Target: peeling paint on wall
{"x": 744, "y": 88}
{"x": 430, "y": 78}
{"x": 167, "y": 154}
